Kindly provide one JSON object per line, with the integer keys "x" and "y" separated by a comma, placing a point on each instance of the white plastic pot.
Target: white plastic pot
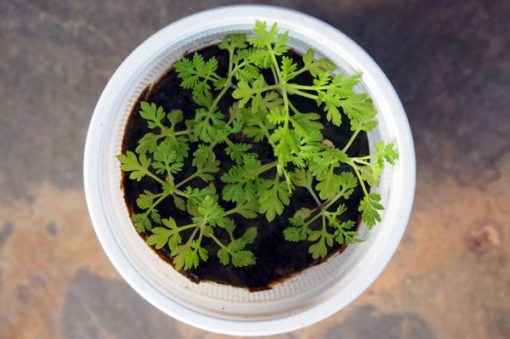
{"x": 302, "y": 300}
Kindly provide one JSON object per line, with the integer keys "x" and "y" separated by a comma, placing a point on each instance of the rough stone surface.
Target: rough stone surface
{"x": 450, "y": 64}
{"x": 365, "y": 323}
{"x": 99, "y": 303}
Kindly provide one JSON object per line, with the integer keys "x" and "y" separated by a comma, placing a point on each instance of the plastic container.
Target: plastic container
{"x": 308, "y": 297}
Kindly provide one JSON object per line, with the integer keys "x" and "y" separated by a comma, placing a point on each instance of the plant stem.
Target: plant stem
{"x": 310, "y": 189}
{"x": 358, "y": 174}
{"x": 181, "y": 193}
{"x": 200, "y": 235}
{"x": 231, "y": 211}
{"x": 227, "y": 140}
{"x": 338, "y": 196}
{"x": 157, "y": 202}
{"x": 315, "y": 217}
{"x": 275, "y": 77}
{"x": 282, "y": 85}
{"x": 186, "y": 227}
{"x": 325, "y": 208}
{"x": 192, "y": 236}
{"x": 264, "y": 168}
{"x": 217, "y": 241}
{"x": 308, "y": 87}
{"x": 230, "y": 60}
{"x": 360, "y": 161}
{"x": 216, "y": 76}
{"x": 296, "y": 73}
{"x": 268, "y": 88}
{"x": 226, "y": 86}
{"x": 238, "y": 66}
{"x": 351, "y": 140}
{"x": 186, "y": 131}
{"x": 283, "y": 89}
{"x": 366, "y": 157}
{"x": 218, "y": 98}
{"x": 191, "y": 177}
{"x": 303, "y": 94}
{"x": 155, "y": 177}
{"x": 293, "y": 108}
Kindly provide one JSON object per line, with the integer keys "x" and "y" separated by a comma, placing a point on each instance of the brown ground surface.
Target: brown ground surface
{"x": 450, "y": 63}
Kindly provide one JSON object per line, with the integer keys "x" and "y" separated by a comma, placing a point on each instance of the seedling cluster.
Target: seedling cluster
{"x": 264, "y": 111}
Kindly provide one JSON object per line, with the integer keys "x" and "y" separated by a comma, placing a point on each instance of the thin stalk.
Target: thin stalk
{"x": 317, "y": 216}
{"x": 310, "y": 189}
{"x": 220, "y": 95}
{"x": 360, "y": 161}
{"x": 296, "y": 73}
{"x": 181, "y": 193}
{"x": 192, "y": 236}
{"x": 303, "y": 94}
{"x": 358, "y": 174}
{"x": 283, "y": 86}
{"x": 217, "y": 241}
{"x": 186, "y": 227}
{"x": 226, "y": 86}
{"x": 230, "y": 60}
{"x": 351, "y": 140}
{"x": 324, "y": 208}
{"x": 275, "y": 77}
{"x": 366, "y": 157}
{"x": 191, "y": 177}
{"x": 186, "y": 131}
{"x": 264, "y": 168}
{"x": 227, "y": 141}
{"x": 268, "y": 88}
{"x": 157, "y": 202}
{"x": 155, "y": 177}
{"x": 308, "y": 87}
{"x": 232, "y": 211}
{"x": 332, "y": 201}
{"x": 200, "y": 235}
{"x": 284, "y": 95}
{"x": 293, "y": 108}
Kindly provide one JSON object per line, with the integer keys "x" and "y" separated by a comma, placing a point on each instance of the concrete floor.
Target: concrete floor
{"x": 450, "y": 63}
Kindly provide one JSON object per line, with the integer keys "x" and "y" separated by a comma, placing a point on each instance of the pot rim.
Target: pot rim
{"x": 364, "y": 277}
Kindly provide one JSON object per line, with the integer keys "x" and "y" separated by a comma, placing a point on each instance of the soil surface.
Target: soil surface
{"x": 277, "y": 259}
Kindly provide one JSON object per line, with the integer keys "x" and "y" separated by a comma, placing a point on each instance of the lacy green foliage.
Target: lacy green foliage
{"x": 262, "y": 112}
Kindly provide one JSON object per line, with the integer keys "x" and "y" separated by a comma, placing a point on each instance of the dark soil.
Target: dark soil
{"x": 277, "y": 259}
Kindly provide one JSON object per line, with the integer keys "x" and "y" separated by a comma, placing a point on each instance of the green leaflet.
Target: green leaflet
{"x": 274, "y": 197}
